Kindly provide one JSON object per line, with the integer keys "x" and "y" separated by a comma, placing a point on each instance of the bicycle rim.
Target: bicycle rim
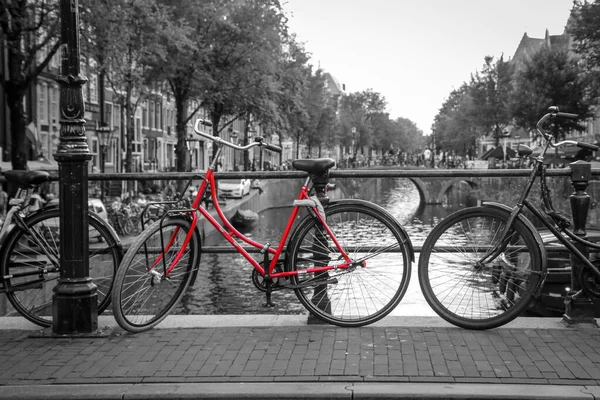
{"x": 359, "y": 295}
{"x": 141, "y": 298}
{"x": 33, "y": 265}
{"x": 471, "y": 294}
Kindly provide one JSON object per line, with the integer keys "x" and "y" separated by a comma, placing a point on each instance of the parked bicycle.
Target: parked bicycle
{"x": 30, "y": 252}
{"x": 349, "y": 261}
{"x": 125, "y": 218}
{"x": 481, "y": 266}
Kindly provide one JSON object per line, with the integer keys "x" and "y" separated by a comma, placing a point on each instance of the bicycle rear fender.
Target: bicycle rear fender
{"x": 334, "y": 203}
{"x": 534, "y": 232}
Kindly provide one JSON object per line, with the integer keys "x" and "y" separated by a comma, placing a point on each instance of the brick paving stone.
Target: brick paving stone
{"x": 318, "y": 353}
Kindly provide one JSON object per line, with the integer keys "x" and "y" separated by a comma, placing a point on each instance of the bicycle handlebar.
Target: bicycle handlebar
{"x": 553, "y": 112}
{"x": 258, "y": 141}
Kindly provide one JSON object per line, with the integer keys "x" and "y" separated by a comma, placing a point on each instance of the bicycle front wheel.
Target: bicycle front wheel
{"x": 143, "y": 294}
{"x": 375, "y": 282}
{"x": 30, "y": 263}
{"x": 464, "y": 287}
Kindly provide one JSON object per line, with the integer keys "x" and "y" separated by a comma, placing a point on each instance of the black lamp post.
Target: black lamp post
{"x": 103, "y": 133}
{"x": 75, "y": 300}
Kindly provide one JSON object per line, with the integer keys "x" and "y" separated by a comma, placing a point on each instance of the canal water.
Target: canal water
{"x": 224, "y": 284}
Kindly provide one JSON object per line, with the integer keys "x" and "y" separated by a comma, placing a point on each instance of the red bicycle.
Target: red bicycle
{"x": 349, "y": 261}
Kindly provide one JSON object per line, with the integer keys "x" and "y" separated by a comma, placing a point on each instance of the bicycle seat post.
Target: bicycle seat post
{"x": 320, "y": 185}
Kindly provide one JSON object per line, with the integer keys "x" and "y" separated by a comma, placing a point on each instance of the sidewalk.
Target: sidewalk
{"x": 279, "y": 357}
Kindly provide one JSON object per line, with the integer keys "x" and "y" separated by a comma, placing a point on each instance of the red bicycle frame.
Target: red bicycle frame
{"x": 230, "y": 233}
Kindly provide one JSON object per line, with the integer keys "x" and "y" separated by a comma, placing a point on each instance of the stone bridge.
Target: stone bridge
{"x": 431, "y": 190}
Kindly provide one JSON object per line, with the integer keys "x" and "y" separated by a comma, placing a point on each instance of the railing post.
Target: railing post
{"x": 579, "y": 308}
{"x": 75, "y": 301}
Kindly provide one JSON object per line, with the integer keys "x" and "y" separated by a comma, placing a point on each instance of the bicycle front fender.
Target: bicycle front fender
{"x": 529, "y": 225}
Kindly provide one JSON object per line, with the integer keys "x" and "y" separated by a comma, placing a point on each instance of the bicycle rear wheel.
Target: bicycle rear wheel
{"x": 30, "y": 263}
{"x": 471, "y": 294}
{"x": 361, "y": 294}
{"x": 142, "y": 295}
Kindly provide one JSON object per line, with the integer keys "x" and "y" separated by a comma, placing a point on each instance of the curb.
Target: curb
{"x": 269, "y": 320}
{"x": 281, "y": 391}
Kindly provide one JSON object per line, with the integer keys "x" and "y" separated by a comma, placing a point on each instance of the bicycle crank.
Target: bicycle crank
{"x": 261, "y": 284}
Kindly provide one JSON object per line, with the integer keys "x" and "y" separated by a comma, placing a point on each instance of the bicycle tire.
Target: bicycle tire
{"x": 359, "y": 295}
{"x": 21, "y": 253}
{"x": 474, "y": 296}
{"x": 140, "y": 299}
{"x": 133, "y": 226}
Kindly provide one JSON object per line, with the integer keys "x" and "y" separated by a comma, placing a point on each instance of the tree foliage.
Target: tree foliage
{"x": 490, "y": 94}
{"x": 585, "y": 20}
{"x": 551, "y": 78}
{"x": 30, "y": 30}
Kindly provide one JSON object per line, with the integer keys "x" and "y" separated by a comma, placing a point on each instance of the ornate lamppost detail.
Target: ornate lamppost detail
{"x": 75, "y": 300}
{"x": 72, "y": 123}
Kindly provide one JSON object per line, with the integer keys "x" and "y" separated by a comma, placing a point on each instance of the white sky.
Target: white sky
{"x": 414, "y": 52}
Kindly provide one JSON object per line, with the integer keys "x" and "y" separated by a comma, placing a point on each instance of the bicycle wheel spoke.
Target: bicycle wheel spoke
{"x": 143, "y": 295}
{"x": 370, "y": 286}
{"x": 472, "y": 275}
{"x": 30, "y": 264}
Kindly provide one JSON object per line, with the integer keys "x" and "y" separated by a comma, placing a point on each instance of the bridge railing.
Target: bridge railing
{"x": 579, "y": 309}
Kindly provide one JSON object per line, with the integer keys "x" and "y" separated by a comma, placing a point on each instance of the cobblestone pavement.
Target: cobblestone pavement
{"x": 309, "y": 354}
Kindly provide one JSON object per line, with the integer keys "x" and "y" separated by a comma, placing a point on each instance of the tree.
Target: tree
{"x": 30, "y": 32}
{"x": 585, "y": 19}
{"x": 552, "y": 78}
{"x": 242, "y": 43}
{"x": 490, "y": 90}
{"x": 455, "y": 126}
{"x": 125, "y": 41}
{"x": 294, "y": 76}
{"x": 357, "y": 110}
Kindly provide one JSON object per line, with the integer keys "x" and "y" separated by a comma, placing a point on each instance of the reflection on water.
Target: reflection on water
{"x": 224, "y": 284}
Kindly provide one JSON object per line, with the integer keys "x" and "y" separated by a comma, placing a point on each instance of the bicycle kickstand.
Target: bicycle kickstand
{"x": 269, "y": 285}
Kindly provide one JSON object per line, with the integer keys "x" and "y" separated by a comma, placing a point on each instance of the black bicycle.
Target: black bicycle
{"x": 30, "y": 252}
{"x": 480, "y": 267}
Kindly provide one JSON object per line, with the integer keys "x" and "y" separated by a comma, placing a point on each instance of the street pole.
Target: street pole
{"x": 75, "y": 300}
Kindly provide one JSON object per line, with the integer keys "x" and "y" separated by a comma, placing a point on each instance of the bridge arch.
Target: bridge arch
{"x": 447, "y": 185}
{"x": 431, "y": 190}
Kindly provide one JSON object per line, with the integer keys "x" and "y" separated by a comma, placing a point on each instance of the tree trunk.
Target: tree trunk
{"x": 18, "y": 152}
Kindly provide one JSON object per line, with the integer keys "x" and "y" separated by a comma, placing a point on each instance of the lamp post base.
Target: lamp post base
{"x": 579, "y": 313}
{"x": 75, "y": 307}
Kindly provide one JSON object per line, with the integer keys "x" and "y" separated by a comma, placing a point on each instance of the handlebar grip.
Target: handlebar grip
{"x": 588, "y": 146}
{"x": 567, "y": 115}
{"x": 272, "y": 147}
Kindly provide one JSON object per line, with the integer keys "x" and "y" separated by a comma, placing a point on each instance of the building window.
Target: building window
{"x": 144, "y": 117}
{"x": 42, "y": 104}
{"x": 116, "y": 121}
{"x": 157, "y": 116}
{"x": 151, "y": 121}
{"x": 108, "y": 111}
{"x": 54, "y": 104}
{"x": 93, "y": 84}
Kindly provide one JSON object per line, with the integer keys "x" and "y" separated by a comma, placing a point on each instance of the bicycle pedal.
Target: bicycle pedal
{"x": 268, "y": 304}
